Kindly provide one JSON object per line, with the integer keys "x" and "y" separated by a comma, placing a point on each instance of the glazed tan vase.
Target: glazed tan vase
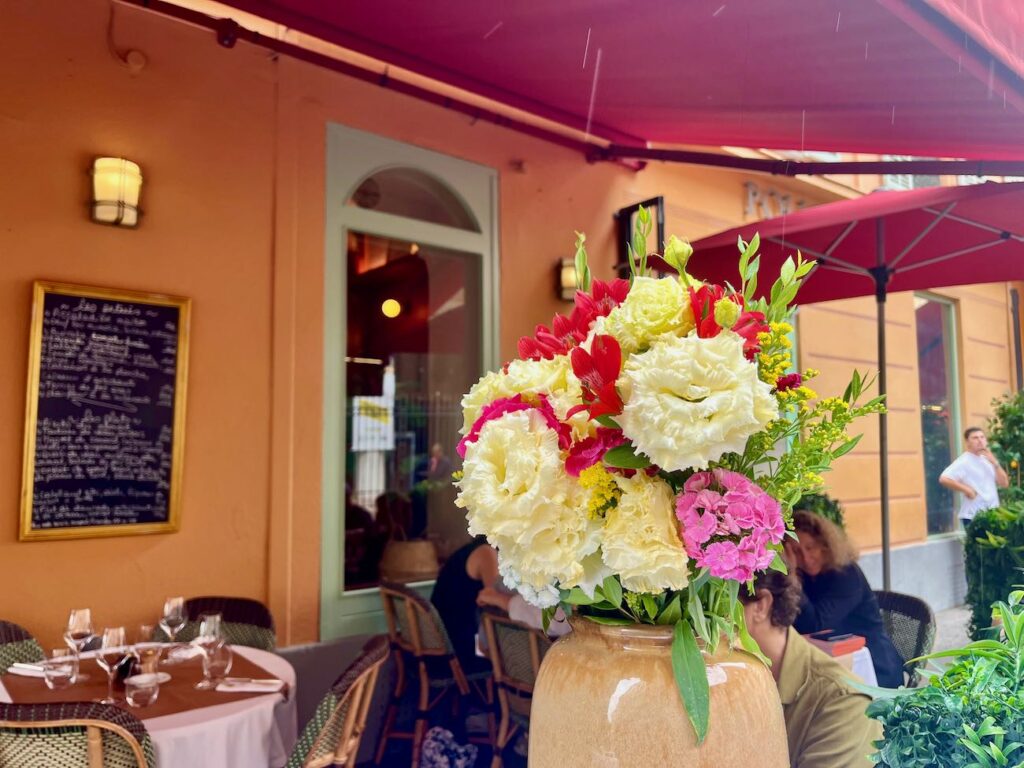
{"x": 606, "y": 698}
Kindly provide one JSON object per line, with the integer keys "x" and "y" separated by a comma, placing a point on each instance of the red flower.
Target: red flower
{"x": 589, "y": 452}
{"x": 597, "y": 371}
{"x": 790, "y": 381}
{"x": 568, "y": 332}
{"x": 603, "y": 298}
{"x": 748, "y": 325}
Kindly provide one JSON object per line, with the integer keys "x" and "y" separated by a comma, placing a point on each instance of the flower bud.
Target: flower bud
{"x": 726, "y": 313}
{"x": 677, "y": 253}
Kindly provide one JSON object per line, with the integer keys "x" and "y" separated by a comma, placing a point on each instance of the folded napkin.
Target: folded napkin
{"x": 26, "y": 670}
{"x": 244, "y": 685}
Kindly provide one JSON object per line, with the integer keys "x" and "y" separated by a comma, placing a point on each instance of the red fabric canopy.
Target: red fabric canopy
{"x": 942, "y": 79}
{"x": 984, "y": 224}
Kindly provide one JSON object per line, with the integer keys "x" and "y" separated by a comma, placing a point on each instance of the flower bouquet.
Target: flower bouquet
{"x": 638, "y": 463}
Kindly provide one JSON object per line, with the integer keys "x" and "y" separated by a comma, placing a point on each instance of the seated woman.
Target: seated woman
{"x": 458, "y": 584}
{"x": 837, "y": 595}
{"x": 825, "y": 722}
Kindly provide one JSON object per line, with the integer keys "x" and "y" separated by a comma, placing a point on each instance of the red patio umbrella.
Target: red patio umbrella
{"x": 883, "y": 243}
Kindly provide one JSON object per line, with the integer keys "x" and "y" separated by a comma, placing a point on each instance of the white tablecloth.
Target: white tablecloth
{"x": 258, "y": 732}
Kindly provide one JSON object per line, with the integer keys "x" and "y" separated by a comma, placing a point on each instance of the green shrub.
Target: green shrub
{"x": 993, "y": 559}
{"x": 1006, "y": 439}
{"x": 823, "y": 505}
{"x": 970, "y": 716}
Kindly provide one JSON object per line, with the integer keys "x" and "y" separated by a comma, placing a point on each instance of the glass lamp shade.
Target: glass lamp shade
{"x": 567, "y": 284}
{"x": 116, "y": 184}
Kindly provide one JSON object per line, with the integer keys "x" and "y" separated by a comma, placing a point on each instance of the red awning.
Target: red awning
{"x": 931, "y": 238}
{"x": 942, "y": 78}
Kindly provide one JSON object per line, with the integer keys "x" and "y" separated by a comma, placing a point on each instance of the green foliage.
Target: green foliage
{"x": 1006, "y": 439}
{"x": 824, "y": 505}
{"x": 994, "y": 559}
{"x": 970, "y": 716}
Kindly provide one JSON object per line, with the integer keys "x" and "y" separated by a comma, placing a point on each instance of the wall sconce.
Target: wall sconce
{"x": 566, "y": 284}
{"x": 116, "y": 184}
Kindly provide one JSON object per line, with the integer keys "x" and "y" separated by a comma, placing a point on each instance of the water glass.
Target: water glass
{"x": 112, "y": 651}
{"x": 142, "y": 690}
{"x": 59, "y": 671}
{"x": 216, "y": 665}
{"x": 77, "y": 635}
{"x": 148, "y": 655}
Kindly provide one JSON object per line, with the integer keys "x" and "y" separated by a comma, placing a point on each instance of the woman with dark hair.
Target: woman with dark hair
{"x": 837, "y": 595}
{"x": 825, "y": 722}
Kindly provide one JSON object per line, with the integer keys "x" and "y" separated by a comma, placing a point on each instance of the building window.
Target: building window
{"x": 908, "y": 180}
{"x": 938, "y": 377}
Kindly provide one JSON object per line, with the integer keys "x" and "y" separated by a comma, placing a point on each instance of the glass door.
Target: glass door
{"x": 411, "y": 323}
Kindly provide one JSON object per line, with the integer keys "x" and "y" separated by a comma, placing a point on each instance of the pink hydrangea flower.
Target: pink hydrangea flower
{"x": 728, "y": 524}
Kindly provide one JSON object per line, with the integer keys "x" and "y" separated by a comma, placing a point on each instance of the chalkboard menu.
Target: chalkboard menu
{"x": 105, "y": 413}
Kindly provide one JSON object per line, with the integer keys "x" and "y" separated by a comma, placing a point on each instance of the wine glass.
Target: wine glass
{"x": 216, "y": 665}
{"x": 111, "y": 653}
{"x": 209, "y": 640}
{"x": 173, "y": 619}
{"x": 77, "y": 635}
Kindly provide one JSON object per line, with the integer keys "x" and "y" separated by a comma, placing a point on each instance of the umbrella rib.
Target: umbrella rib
{"x": 931, "y": 225}
{"x": 978, "y": 224}
{"x": 954, "y": 254}
{"x": 842, "y": 236}
{"x": 825, "y": 258}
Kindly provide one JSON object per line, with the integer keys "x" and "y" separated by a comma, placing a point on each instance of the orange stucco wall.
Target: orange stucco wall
{"x": 231, "y": 143}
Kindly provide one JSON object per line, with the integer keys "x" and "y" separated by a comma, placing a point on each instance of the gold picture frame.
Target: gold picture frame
{"x": 41, "y": 289}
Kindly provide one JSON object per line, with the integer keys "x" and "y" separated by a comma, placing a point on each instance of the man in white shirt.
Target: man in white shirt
{"x": 975, "y": 473}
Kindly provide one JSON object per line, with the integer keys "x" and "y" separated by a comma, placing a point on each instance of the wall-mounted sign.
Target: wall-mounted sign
{"x": 105, "y": 413}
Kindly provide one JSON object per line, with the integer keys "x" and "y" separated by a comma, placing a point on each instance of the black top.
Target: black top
{"x": 842, "y": 600}
{"x": 454, "y": 596}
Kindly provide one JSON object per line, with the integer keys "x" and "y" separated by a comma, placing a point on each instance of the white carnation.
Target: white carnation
{"x": 654, "y": 307}
{"x": 688, "y": 401}
{"x": 553, "y": 378}
{"x": 641, "y": 539}
{"x": 516, "y": 492}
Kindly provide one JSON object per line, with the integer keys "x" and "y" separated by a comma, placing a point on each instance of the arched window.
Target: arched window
{"x": 409, "y": 192}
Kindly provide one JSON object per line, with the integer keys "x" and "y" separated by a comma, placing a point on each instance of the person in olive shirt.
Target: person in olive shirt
{"x": 826, "y": 725}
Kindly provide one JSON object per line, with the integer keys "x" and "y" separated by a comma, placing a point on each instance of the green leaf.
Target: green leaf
{"x": 650, "y": 606}
{"x": 846, "y": 447}
{"x": 691, "y": 678}
{"x": 672, "y": 612}
{"x": 607, "y": 421}
{"x": 778, "y": 564}
{"x": 611, "y": 621}
{"x": 746, "y": 640}
{"x": 577, "y": 596}
{"x": 625, "y": 457}
{"x": 788, "y": 270}
{"x": 613, "y": 591}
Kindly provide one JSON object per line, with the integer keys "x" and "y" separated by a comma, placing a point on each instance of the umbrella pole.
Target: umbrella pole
{"x": 881, "y": 274}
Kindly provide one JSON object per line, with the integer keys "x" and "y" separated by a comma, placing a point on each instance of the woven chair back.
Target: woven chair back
{"x": 245, "y": 622}
{"x": 72, "y": 735}
{"x": 910, "y": 624}
{"x": 413, "y": 623}
{"x": 516, "y": 651}
{"x": 16, "y": 644}
{"x": 333, "y": 735}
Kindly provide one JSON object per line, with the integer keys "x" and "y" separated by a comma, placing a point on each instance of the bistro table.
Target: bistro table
{"x": 198, "y": 729}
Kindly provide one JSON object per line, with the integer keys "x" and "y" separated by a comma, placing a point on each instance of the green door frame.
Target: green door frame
{"x": 353, "y": 155}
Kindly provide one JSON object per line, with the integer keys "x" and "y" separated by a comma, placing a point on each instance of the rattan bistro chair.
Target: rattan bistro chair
{"x": 417, "y": 635}
{"x": 72, "y": 735}
{"x": 333, "y": 735}
{"x": 910, "y": 624}
{"x": 17, "y": 644}
{"x": 516, "y": 651}
{"x": 245, "y": 622}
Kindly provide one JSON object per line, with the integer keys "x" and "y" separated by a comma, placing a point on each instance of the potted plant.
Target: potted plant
{"x": 969, "y": 716}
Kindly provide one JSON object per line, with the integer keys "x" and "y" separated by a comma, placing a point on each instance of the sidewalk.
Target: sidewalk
{"x": 951, "y": 631}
